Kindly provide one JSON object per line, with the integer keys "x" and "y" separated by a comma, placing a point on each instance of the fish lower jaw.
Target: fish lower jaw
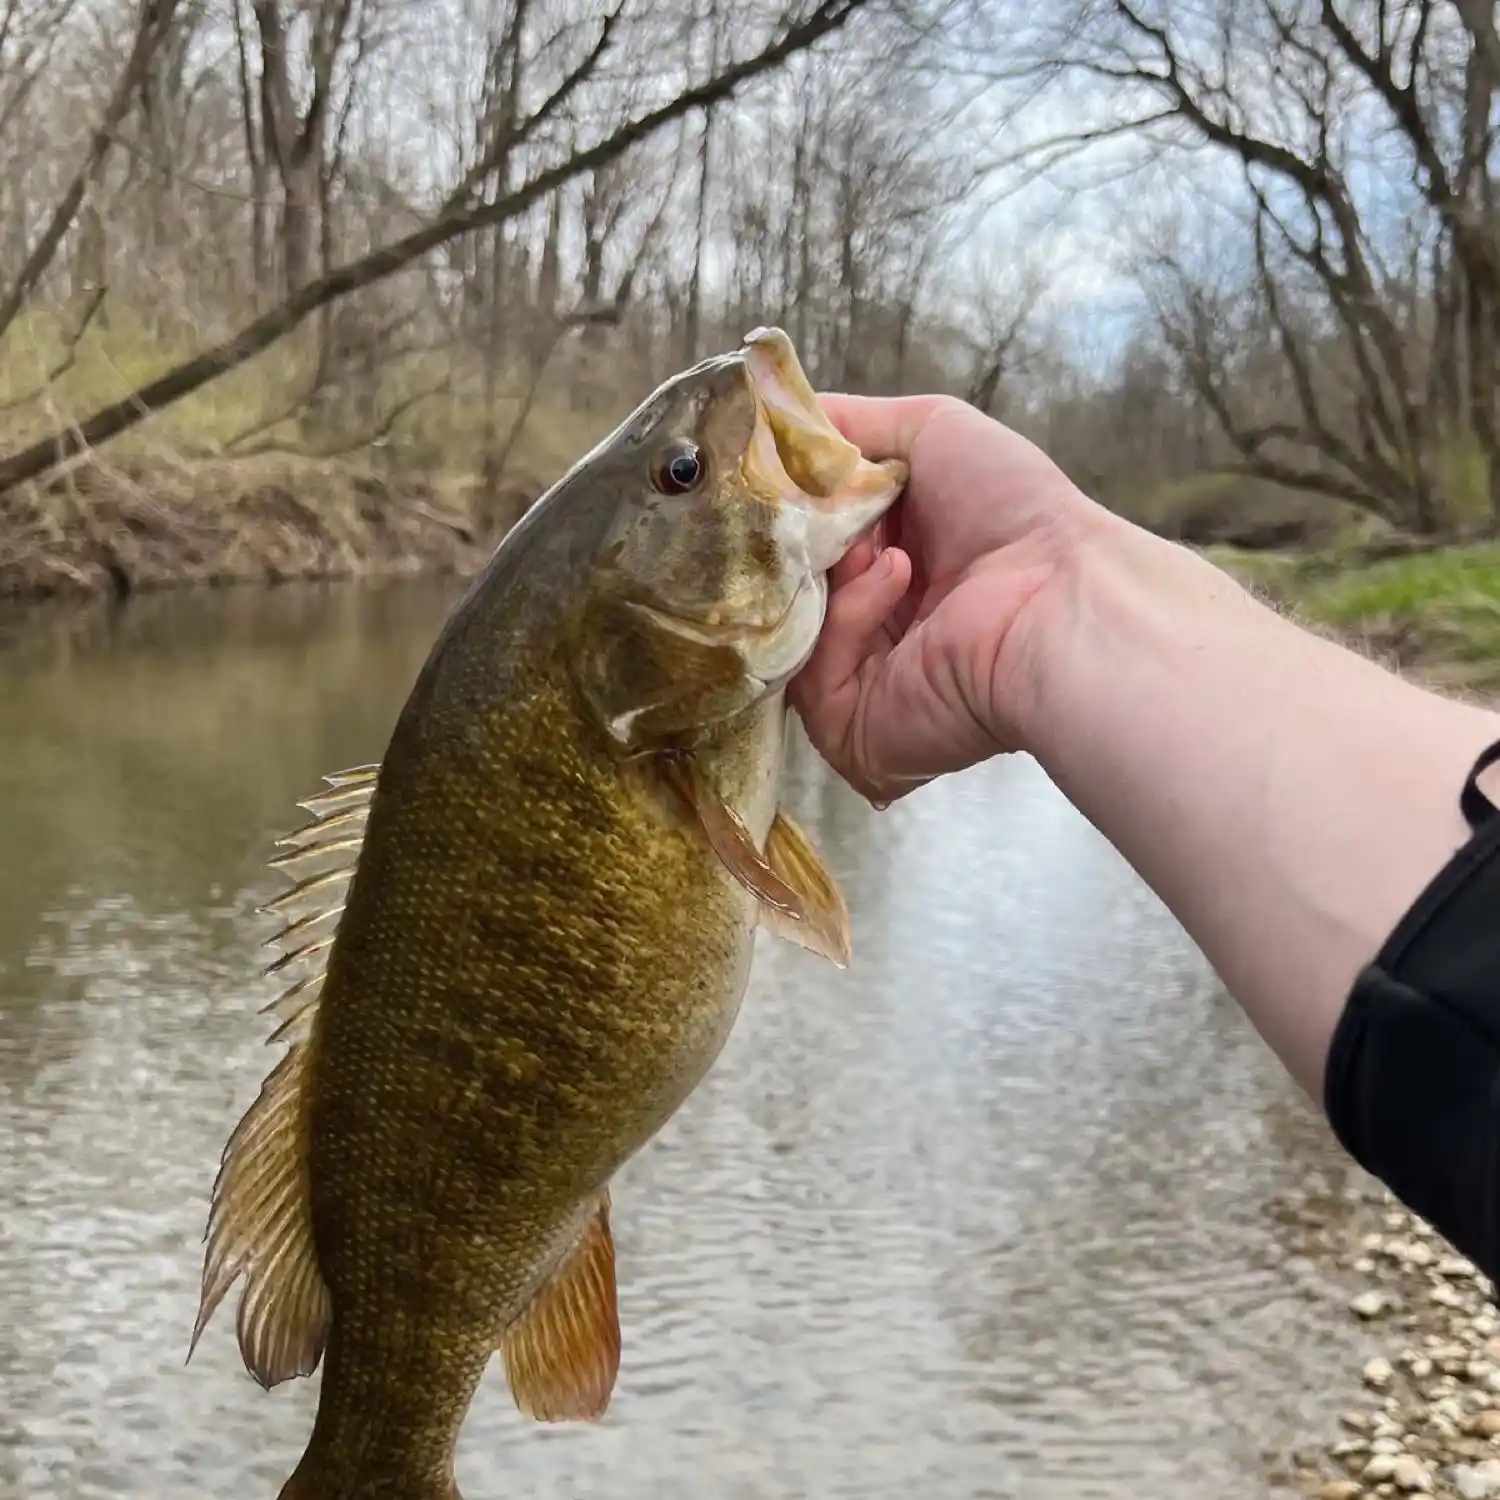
{"x": 714, "y": 629}
{"x": 772, "y": 653}
{"x": 775, "y": 658}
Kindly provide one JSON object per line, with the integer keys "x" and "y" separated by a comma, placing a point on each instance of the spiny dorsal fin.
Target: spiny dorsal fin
{"x": 825, "y": 929}
{"x": 563, "y": 1353}
{"x": 260, "y": 1218}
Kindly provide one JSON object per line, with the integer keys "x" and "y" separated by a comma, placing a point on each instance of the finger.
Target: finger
{"x": 881, "y": 426}
{"x": 898, "y": 735}
{"x": 857, "y": 560}
{"x": 825, "y": 690}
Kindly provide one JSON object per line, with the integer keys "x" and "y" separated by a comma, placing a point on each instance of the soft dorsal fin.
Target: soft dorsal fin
{"x": 260, "y": 1218}
{"x": 799, "y": 899}
{"x": 563, "y": 1353}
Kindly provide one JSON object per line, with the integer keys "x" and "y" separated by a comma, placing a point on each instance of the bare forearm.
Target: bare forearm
{"x": 1286, "y": 798}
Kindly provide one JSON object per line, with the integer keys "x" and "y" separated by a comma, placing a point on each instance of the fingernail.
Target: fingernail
{"x": 883, "y": 565}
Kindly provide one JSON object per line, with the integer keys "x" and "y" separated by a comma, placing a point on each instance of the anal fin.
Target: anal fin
{"x": 563, "y": 1353}
{"x": 260, "y": 1214}
{"x": 260, "y": 1226}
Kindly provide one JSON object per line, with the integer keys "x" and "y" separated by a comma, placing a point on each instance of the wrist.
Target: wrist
{"x": 1114, "y": 597}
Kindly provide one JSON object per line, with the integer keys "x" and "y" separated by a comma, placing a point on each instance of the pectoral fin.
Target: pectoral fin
{"x": 824, "y": 929}
{"x": 563, "y": 1353}
{"x": 798, "y": 897}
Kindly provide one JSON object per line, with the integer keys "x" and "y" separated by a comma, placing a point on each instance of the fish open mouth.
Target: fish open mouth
{"x": 796, "y": 454}
{"x": 825, "y": 494}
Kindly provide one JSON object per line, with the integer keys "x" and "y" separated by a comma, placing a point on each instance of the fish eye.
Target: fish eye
{"x": 678, "y": 468}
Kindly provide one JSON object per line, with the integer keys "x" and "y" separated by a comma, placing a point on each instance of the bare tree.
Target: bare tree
{"x": 833, "y": 208}
{"x": 29, "y": 34}
{"x": 997, "y": 325}
{"x": 153, "y": 20}
{"x": 464, "y": 208}
{"x": 298, "y": 141}
{"x": 1439, "y": 81}
{"x": 454, "y": 240}
{"x": 1307, "y": 98}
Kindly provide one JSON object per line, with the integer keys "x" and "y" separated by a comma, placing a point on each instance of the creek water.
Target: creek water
{"x": 990, "y": 1214}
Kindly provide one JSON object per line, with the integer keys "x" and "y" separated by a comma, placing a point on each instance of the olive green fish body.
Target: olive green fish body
{"x": 553, "y": 880}
{"x": 539, "y": 959}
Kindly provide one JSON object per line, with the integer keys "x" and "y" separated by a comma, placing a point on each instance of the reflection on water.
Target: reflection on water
{"x": 985, "y": 1215}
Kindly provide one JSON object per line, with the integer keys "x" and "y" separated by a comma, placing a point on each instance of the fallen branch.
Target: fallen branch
{"x": 109, "y": 421}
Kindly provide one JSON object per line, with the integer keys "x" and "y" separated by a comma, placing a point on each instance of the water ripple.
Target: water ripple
{"x": 983, "y": 1216}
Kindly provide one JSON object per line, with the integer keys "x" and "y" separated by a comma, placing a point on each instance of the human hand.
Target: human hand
{"x": 918, "y": 669}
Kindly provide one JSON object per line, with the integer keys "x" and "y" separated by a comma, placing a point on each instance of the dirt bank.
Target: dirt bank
{"x": 119, "y": 529}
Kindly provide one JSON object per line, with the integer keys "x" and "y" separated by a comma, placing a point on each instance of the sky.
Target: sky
{"x": 1084, "y": 239}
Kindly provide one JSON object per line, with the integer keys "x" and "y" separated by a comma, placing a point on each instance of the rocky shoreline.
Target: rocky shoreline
{"x": 1428, "y": 1421}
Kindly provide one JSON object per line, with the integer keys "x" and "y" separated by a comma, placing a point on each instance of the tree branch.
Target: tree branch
{"x": 109, "y": 421}
{"x": 152, "y": 21}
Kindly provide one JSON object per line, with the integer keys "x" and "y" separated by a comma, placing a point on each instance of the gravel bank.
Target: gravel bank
{"x": 1427, "y": 1419}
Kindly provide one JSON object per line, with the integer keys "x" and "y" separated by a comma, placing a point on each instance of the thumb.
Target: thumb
{"x": 825, "y": 693}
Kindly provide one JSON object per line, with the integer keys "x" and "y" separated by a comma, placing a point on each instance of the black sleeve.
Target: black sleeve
{"x": 1412, "y": 1088}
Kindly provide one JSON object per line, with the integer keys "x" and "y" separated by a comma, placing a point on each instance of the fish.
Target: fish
{"x": 524, "y": 934}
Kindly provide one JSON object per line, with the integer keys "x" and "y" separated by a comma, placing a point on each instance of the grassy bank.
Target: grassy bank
{"x": 417, "y": 463}
{"x": 1434, "y": 613}
{"x": 120, "y": 528}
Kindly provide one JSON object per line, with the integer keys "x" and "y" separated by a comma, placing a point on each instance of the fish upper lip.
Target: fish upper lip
{"x": 788, "y": 407}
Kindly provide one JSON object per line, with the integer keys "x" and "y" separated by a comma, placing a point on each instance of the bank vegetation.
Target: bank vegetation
{"x": 293, "y": 288}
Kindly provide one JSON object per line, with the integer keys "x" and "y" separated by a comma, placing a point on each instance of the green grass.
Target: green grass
{"x": 1438, "y": 611}
{"x": 121, "y": 353}
{"x": 1463, "y": 580}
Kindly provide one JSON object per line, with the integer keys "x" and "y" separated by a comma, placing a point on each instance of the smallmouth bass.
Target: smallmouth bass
{"x": 526, "y": 932}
